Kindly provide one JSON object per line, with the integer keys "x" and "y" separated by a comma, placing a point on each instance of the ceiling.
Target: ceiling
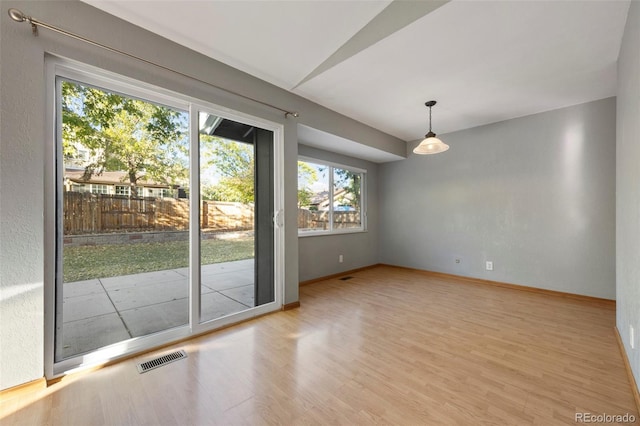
{"x": 379, "y": 61}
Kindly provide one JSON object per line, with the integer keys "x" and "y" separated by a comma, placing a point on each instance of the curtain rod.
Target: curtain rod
{"x": 19, "y": 16}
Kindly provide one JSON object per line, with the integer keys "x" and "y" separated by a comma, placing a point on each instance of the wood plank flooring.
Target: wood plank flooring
{"x": 389, "y": 346}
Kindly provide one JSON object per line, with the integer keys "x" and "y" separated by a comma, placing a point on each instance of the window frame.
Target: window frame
{"x": 363, "y": 199}
{"x": 100, "y": 188}
{"x": 123, "y": 190}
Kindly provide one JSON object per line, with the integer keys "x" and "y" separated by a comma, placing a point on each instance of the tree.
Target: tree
{"x": 304, "y": 197}
{"x": 307, "y": 176}
{"x": 234, "y": 165}
{"x": 143, "y": 139}
{"x": 351, "y": 183}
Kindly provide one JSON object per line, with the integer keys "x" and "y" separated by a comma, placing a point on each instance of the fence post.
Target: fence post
{"x": 205, "y": 214}
{"x": 99, "y": 203}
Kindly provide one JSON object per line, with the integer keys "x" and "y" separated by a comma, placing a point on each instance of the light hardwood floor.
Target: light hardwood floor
{"x": 389, "y": 346}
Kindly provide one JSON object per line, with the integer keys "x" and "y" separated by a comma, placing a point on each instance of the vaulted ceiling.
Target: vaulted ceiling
{"x": 379, "y": 61}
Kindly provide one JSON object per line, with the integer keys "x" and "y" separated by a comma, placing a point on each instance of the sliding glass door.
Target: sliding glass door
{"x": 123, "y": 220}
{"x": 163, "y": 217}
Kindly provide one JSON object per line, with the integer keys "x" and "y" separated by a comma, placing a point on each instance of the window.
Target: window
{"x": 167, "y": 193}
{"x": 159, "y": 192}
{"x": 330, "y": 198}
{"x": 123, "y": 190}
{"x": 78, "y": 187}
{"x": 99, "y": 189}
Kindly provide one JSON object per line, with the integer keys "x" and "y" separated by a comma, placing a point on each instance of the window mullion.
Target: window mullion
{"x": 331, "y": 192}
{"x": 194, "y": 218}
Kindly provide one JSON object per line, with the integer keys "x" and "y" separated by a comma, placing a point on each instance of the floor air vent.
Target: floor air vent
{"x": 143, "y": 367}
{"x": 345, "y": 278}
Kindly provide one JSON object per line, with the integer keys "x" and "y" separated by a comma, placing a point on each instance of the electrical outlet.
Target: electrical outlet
{"x": 489, "y": 265}
{"x": 340, "y": 258}
{"x": 457, "y": 260}
{"x": 632, "y": 338}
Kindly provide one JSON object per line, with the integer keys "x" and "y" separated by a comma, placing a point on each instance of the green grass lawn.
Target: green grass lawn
{"x": 87, "y": 262}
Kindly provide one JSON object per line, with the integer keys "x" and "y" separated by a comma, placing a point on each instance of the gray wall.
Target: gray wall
{"x": 535, "y": 195}
{"x": 628, "y": 189}
{"x": 318, "y": 255}
{"x": 22, "y": 153}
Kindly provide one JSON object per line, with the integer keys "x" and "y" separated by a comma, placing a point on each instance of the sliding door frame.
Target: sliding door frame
{"x": 58, "y": 67}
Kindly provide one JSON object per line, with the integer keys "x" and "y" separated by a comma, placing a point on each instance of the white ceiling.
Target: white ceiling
{"x": 379, "y": 61}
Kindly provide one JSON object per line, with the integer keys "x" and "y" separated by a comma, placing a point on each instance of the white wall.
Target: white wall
{"x": 535, "y": 195}
{"x": 22, "y": 156}
{"x": 318, "y": 255}
{"x": 628, "y": 188}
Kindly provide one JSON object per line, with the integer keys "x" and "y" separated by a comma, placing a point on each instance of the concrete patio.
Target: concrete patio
{"x": 103, "y": 311}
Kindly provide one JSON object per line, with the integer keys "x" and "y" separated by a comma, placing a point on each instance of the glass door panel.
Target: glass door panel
{"x": 232, "y": 221}
{"x": 123, "y": 171}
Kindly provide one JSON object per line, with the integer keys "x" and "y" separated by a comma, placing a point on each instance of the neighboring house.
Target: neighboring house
{"x": 116, "y": 183}
{"x": 111, "y": 183}
{"x": 343, "y": 201}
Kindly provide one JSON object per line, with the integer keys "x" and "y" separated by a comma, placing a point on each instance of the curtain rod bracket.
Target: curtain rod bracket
{"x": 19, "y": 16}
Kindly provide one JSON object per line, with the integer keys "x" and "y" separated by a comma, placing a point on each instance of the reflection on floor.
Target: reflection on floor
{"x": 103, "y": 311}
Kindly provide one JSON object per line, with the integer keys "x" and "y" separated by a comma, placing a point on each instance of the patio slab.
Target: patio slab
{"x": 244, "y": 294}
{"x": 153, "y": 318}
{"x": 92, "y": 333}
{"x": 149, "y": 294}
{"x": 236, "y": 265}
{"x": 226, "y": 280}
{"x": 82, "y": 288}
{"x": 216, "y": 305}
{"x": 136, "y": 280}
{"x": 91, "y": 305}
{"x": 104, "y": 311}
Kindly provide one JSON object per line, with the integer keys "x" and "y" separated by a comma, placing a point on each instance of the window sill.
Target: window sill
{"x": 329, "y": 233}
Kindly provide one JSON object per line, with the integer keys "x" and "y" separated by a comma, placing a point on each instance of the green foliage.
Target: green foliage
{"x": 307, "y": 176}
{"x": 234, "y": 164}
{"x": 124, "y": 134}
{"x": 304, "y": 197}
{"x": 351, "y": 182}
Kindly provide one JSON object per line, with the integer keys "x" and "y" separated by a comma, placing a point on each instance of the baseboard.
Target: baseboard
{"x": 627, "y": 365}
{"x": 604, "y": 302}
{"x": 292, "y": 305}
{"x": 21, "y": 390}
{"x": 340, "y": 274}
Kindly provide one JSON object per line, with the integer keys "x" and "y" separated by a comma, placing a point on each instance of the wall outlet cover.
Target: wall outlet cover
{"x": 489, "y": 266}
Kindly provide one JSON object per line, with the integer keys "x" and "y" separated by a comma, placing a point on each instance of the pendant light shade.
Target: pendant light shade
{"x": 431, "y": 144}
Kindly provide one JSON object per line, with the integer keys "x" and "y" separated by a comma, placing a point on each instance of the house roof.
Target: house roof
{"x": 109, "y": 178}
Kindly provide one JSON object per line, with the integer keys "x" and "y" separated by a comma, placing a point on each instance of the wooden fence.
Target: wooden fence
{"x": 317, "y": 220}
{"x": 86, "y": 213}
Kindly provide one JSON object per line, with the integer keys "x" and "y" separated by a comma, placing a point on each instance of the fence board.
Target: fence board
{"x": 319, "y": 220}
{"x": 86, "y": 213}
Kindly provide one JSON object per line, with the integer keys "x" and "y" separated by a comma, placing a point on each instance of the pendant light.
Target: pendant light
{"x": 430, "y": 144}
